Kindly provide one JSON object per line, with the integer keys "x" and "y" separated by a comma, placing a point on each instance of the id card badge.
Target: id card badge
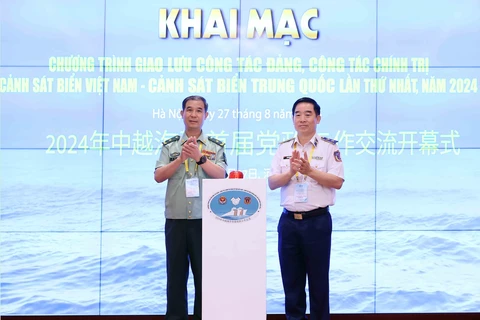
{"x": 301, "y": 192}
{"x": 192, "y": 188}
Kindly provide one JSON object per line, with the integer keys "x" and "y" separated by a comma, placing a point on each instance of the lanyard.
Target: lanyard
{"x": 196, "y": 166}
{"x": 309, "y": 160}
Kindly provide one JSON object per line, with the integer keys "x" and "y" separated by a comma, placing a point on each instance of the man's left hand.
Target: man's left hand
{"x": 305, "y": 167}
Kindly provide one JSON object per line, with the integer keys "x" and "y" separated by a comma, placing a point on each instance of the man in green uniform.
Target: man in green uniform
{"x": 184, "y": 161}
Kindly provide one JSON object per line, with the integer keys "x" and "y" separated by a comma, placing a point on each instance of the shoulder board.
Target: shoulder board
{"x": 287, "y": 140}
{"x": 216, "y": 141}
{"x": 176, "y": 138}
{"x": 331, "y": 141}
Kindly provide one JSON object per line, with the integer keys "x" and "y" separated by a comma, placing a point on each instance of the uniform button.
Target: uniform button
{"x": 189, "y": 211}
{"x": 189, "y": 202}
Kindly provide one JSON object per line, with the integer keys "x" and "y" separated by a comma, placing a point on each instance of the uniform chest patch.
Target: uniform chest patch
{"x": 209, "y": 154}
{"x": 174, "y": 156}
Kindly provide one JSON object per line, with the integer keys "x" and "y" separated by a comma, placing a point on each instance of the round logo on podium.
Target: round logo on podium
{"x": 234, "y": 205}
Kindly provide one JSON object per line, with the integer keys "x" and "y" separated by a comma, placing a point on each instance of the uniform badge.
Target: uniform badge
{"x": 331, "y": 141}
{"x": 216, "y": 141}
{"x": 337, "y": 157}
{"x": 173, "y": 139}
{"x": 286, "y": 157}
{"x": 174, "y": 155}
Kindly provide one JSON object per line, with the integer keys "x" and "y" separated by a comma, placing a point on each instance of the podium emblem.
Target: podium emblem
{"x": 234, "y": 205}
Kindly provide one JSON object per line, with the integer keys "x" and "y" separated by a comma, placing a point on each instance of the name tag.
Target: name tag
{"x": 192, "y": 187}
{"x": 301, "y": 192}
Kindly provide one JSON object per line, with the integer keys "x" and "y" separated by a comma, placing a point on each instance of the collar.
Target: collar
{"x": 313, "y": 141}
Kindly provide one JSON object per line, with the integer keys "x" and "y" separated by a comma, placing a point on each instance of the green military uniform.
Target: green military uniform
{"x": 183, "y": 226}
{"x": 177, "y": 205}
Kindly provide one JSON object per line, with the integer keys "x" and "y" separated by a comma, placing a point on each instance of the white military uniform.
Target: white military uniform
{"x": 325, "y": 157}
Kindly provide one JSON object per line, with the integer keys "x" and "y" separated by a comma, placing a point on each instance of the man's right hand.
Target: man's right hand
{"x": 188, "y": 149}
{"x": 295, "y": 162}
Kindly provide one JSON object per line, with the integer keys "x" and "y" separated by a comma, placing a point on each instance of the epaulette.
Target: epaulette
{"x": 331, "y": 141}
{"x": 176, "y": 138}
{"x": 287, "y": 140}
{"x": 216, "y": 141}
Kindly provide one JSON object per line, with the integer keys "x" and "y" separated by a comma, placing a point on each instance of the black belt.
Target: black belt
{"x": 300, "y": 215}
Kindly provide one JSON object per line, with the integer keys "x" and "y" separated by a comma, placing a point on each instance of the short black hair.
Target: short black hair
{"x": 195, "y": 98}
{"x": 316, "y": 106}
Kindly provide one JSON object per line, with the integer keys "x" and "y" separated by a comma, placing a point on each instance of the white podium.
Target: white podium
{"x": 234, "y": 260}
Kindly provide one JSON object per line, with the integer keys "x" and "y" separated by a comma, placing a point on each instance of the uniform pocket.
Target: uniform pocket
{"x": 285, "y": 165}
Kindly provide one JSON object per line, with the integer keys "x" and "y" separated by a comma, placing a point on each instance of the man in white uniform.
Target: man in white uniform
{"x": 308, "y": 169}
